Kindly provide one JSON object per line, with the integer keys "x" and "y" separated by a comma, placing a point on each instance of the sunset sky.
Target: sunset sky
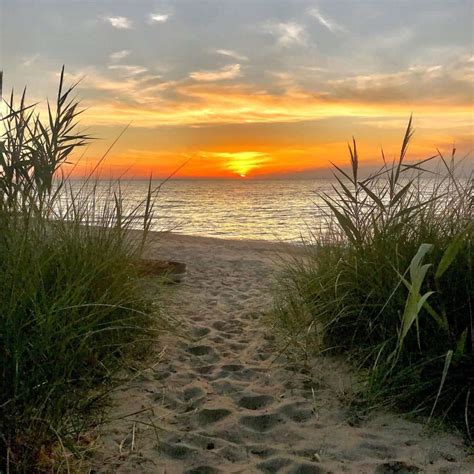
{"x": 261, "y": 88}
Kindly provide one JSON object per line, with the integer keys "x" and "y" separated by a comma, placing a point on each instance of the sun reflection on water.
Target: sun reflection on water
{"x": 234, "y": 209}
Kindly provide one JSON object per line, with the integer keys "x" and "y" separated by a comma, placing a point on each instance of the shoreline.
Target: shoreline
{"x": 217, "y": 240}
{"x": 250, "y": 243}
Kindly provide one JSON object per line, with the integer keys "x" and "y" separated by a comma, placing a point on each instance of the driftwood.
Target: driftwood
{"x": 171, "y": 271}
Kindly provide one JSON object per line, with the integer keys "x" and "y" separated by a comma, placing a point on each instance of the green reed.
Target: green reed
{"x": 389, "y": 281}
{"x": 71, "y": 306}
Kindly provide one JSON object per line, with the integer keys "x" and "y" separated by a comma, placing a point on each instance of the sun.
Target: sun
{"x": 241, "y": 163}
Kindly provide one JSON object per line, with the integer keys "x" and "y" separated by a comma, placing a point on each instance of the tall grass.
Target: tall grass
{"x": 389, "y": 282}
{"x": 71, "y": 306}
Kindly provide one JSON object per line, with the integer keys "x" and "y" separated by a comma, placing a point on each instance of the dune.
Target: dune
{"x": 221, "y": 400}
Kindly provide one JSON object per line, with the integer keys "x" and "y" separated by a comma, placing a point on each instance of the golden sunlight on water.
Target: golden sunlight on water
{"x": 234, "y": 209}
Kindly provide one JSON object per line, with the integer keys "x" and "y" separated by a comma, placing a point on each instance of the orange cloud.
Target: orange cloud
{"x": 226, "y": 106}
{"x": 189, "y": 118}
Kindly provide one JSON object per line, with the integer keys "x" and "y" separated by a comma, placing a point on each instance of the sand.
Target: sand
{"x": 221, "y": 401}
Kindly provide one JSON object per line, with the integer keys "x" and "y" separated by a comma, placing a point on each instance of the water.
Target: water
{"x": 273, "y": 210}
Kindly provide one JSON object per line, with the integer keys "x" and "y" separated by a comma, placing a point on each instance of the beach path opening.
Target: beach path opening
{"x": 221, "y": 400}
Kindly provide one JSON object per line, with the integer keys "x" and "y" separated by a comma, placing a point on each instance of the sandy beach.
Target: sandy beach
{"x": 221, "y": 401}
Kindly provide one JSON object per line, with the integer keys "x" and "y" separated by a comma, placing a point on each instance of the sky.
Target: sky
{"x": 255, "y": 89}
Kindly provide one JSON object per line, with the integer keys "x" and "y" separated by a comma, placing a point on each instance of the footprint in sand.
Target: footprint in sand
{"x": 261, "y": 423}
{"x": 233, "y": 453}
{"x": 224, "y": 387}
{"x": 261, "y": 451}
{"x": 205, "y": 369}
{"x": 191, "y": 393}
{"x": 203, "y": 470}
{"x": 307, "y": 469}
{"x": 401, "y": 467}
{"x": 200, "y": 331}
{"x": 273, "y": 465}
{"x": 232, "y": 367}
{"x": 212, "y": 415}
{"x": 255, "y": 402}
{"x": 219, "y": 325}
{"x": 177, "y": 451}
{"x": 200, "y": 350}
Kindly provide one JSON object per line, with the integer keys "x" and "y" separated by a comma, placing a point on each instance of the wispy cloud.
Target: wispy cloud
{"x": 325, "y": 21}
{"x": 159, "y": 17}
{"x": 450, "y": 83}
{"x": 129, "y": 69}
{"x": 119, "y": 22}
{"x": 228, "y": 72}
{"x": 150, "y": 102}
{"x": 231, "y": 54}
{"x": 128, "y": 92}
{"x": 118, "y": 55}
{"x": 287, "y": 33}
{"x": 30, "y": 60}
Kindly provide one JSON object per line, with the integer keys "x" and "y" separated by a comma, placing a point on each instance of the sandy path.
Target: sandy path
{"x": 217, "y": 403}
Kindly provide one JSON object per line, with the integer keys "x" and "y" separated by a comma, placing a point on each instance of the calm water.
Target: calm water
{"x": 234, "y": 209}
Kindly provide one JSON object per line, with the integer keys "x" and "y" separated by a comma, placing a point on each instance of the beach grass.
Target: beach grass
{"x": 388, "y": 281}
{"x": 71, "y": 305}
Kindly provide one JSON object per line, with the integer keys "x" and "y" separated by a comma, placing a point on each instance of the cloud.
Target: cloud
{"x": 287, "y": 33}
{"x": 118, "y": 55}
{"x": 328, "y": 23}
{"x": 159, "y": 17}
{"x": 231, "y": 54}
{"x": 134, "y": 85}
{"x": 440, "y": 94}
{"x": 119, "y": 22}
{"x": 450, "y": 83}
{"x": 30, "y": 60}
{"x": 128, "y": 69}
{"x": 228, "y": 72}
{"x": 151, "y": 103}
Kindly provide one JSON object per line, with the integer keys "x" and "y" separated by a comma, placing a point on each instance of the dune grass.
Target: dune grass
{"x": 71, "y": 306}
{"x": 388, "y": 280}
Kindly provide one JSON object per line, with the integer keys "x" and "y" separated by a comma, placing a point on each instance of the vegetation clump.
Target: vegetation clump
{"x": 389, "y": 281}
{"x": 71, "y": 306}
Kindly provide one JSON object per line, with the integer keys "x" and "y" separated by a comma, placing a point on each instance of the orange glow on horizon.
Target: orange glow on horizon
{"x": 310, "y": 130}
{"x": 271, "y": 162}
